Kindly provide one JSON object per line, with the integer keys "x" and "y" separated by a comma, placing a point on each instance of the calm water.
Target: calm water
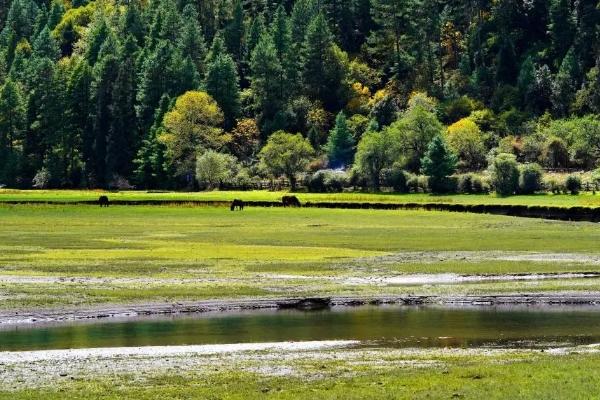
{"x": 394, "y": 326}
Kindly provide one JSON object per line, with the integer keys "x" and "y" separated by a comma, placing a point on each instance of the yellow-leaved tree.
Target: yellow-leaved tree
{"x": 466, "y": 140}
{"x": 191, "y": 127}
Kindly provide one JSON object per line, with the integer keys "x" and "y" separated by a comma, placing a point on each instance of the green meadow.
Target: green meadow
{"x": 64, "y": 255}
{"x": 382, "y": 374}
{"x": 564, "y": 200}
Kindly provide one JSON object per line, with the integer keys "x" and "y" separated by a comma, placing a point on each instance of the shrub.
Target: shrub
{"x": 412, "y": 183}
{"x": 573, "y": 184}
{"x": 504, "y": 173}
{"x": 336, "y": 181}
{"x": 395, "y": 178}
{"x": 327, "y": 180}
{"x": 214, "y": 168}
{"x": 423, "y": 183}
{"x": 119, "y": 182}
{"x": 465, "y": 183}
{"x": 41, "y": 180}
{"x": 530, "y": 179}
{"x": 596, "y": 178}
{"x": 554, "y": 186}
{"x": 479, "y": 185}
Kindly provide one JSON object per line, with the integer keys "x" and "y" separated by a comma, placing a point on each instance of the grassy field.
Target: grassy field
{"x": 382, "y": 374}
{"x": 55, "y": 256}
{"x": 584, "y": 199}
{"x": 65, "y": 256}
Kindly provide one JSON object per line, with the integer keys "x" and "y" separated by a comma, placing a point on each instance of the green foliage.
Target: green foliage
{"x": 91, "y": 76}
{"x": 573, "y": 184}
{"x": 504, "y": 174}
{"x": 324, "y": 181}
{"x": 530, "y": 179}
{"x": 395, "y": 177}
{"x": 212, "y": 168}
{"x": 413, "y": 132}
{"x": 373, "y": 154}
{"x": 438, "y": 164}
{"x": 222, "y": 84}
{"x": 193, "y": 124}
{"x": 340, "y": 145}
{"x": 286, "y": 154}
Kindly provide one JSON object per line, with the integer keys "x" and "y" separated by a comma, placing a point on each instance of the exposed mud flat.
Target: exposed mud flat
{"x": 308, "y": 360}
{"x": 28, "y": 317}
{"x": 479, "y": 256}
{"x": 165, "y": 351}
{"x": 432, "y": 279}
{"x": 37, "y": 369}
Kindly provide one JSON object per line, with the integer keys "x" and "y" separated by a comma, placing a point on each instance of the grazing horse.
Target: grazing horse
{"x": 237, "y": 203}
{"x": 290, "y": 201}
{"x": 103, "y": 201}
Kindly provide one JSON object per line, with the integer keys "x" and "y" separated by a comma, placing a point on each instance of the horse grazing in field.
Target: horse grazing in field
{"x": 237, "y": 203}
{"x": 290, "y": 201}
{"x": 103, "y": 201}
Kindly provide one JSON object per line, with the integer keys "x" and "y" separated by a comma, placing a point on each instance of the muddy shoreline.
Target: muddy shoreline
{"x": 107, "y": 312}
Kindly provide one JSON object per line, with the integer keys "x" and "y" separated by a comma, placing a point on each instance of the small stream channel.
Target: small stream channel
{"x": 394, "y": 326}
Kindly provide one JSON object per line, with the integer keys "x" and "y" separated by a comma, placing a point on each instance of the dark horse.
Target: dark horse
{"x": 103, "y": 201}
{"x": 237, "y": 203}
{"x": 290, "y": 201}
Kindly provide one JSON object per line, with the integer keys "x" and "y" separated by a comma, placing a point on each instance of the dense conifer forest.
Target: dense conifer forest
{"x": 168, "y": 94}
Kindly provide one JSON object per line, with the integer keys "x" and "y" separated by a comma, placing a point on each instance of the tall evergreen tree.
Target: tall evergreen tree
{"x": 222, "y": 83}
{"x": 438, "y": 164}
{"x": 235, "y": 32}
{"x": 265, "y": 68}
{"x": 12, "y": 123}
{"x": 340, "y": 143}
{"x": 562, "y": 28}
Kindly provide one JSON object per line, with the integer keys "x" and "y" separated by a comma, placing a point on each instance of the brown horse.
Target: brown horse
{"x": 103, "y": 201}
{"x": 237, "y": 203}
{"x": 290, "y": 201}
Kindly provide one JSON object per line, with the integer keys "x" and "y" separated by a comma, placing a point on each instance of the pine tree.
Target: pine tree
{"x": 340, "y": 144}
{"x": 235, "y": 32}
{"x": 222, "y": 83}
{"x": 282, "y": 39}
{"x": 192, "y": 42}
{"x": 21, "y": 18}
{"x": 55, "y": 14}
{"x": 44, "y": 45}
{"x": 562, "y": 27}
{"x": 322, "y": 73}
{"x": 339, "y": 15}
{"x": 44, "y": 113}
{"x": 438, "y": 164}
{"x": 79, "y": 110}
{"x": 565, "y": 84}
{"x": 122, "y": 140}
{"x": 256, "y": 31}
{"x": 150, "y": 160}
{"x": 99, "y": 31}
{"x": 265, "y": 68}
{"x": 153, "y": 81}
{"x": 105, "y": 74}
{"x": 506, "y": 64}
{"x": 12, "y": 124}
{"x": 133, "y": 23}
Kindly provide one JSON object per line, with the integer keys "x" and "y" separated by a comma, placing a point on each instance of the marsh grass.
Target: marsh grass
{"x": 205, "y": 253}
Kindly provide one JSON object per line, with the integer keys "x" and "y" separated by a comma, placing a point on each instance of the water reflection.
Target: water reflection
{"x": 399, "y": 326}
